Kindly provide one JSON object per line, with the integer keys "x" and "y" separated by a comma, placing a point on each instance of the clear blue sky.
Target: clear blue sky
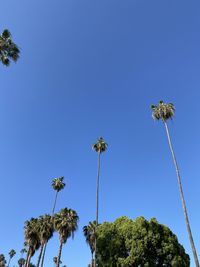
{"x": 89, "y": 69}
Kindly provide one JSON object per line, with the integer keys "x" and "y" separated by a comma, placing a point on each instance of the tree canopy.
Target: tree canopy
{"x": 138, "y": 243}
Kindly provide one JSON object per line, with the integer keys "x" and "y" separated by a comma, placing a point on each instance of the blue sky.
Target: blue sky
{"x": 90, "y": 69}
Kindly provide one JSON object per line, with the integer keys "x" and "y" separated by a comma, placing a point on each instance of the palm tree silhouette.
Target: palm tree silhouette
{"x": 8, "y": 49}
{"x": 89, "y": 233}
{"x": 65, "y": 223}
{"x": 31, "y": 238}
{"x": 164, "y": 111}
{"x": 100, "y": 146}
{"x": 45, "y": 232}
{"x": 58, "y": 185}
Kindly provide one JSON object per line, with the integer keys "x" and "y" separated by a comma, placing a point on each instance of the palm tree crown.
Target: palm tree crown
{"x": 45, "y": 228}
{"x": 31, "y": 238}
{"x": 8, "y": 49}
{"x": 100, "y": 146}
{"x": 58, "y": 184}
{"x": 163, "y": 111}
{"x": 2, "y": 260}
{"x": 66, "y": 223}
{"x": 12, "y": 253}
{"x": 89, "y": 233}
{"x": 21, "y": 262}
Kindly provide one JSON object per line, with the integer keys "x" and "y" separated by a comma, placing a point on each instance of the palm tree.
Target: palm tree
{"x": 55, "y": 260}
{"x": 11, "y": 255}
{"x": 65, "y": 223}
{"x": 45, "y": 232}
{"x": 164, "y": 112}
{"x": 2, "y": 260}
{"x": 8, "y": 49}
{"x": 100, "y": 146}
{"x": 31, "y": 238}
{"x": 89, "y": 233}
{"x": 22, "y": 251}
{"x": 57, "y": 185}
{"x": 21, "y": 262}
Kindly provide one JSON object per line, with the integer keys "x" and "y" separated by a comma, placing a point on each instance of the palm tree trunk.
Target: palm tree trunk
{"x": 27, "y": 255}
{"x": 43, "y": 254}
{"x": 97, "y": 207}
{"x": 92, "y": 263}
{"x": 182, "y": 197}
{"x": 28, "y": 260}
{"x": 59, "y": 254}
{"x": 9, "y": 262}
{"x": 55, "y": 203}
{"x": 45, "y": 246}
{"x": 97, "y": 192}
{"x": 40, "y": 255}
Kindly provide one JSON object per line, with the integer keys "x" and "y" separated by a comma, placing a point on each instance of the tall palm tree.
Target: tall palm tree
{"x": 164, "y": 112}
{"x": 89, "y": 233}
{"x": 11, "y": 255}
{"x": 100, "y": 146}
{"x": 8, "y": 49}
{"x": 45, "y": 232}
{"x": 31, "y": 238}
{"x": 58, "y": 185}
{"x": 65, "y": 223}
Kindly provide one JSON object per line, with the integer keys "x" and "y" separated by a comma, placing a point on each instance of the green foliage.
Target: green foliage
{"x": 66, "y": 223}
{"x": 163, "y": 111}
{"x": 8, "y": 49}
{"x": 89, "y": 233}
{"x": 58, "y": 184}
{"x": 32, "y": 235}
{"x": 21, "y": 262}
{"x": 2, "y": 260}
{"x": 12, "y": 253}
{"x": 138, "y": 243}
{"x": 45, "y": 228}
{"x": 100, "y": 146}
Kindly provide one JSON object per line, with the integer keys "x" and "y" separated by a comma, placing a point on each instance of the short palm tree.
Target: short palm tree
{"x": 65, "y": 223}
{"x": 11, "y": 255}
{"x": 8, "y": 49}
{"x": 164, "y": 112}
{"x": 100, "y": 146}
{"x": 45, "y": 232}
{"x": 2, "y": 260}
{"x": 21, "y": 262}
{"x": 57, "y": 185}
{"x": 55, "y": 259}
{"x": 31, "y": 238}
{"x": 90, "y": 233}
{"x": 22, "y": 251}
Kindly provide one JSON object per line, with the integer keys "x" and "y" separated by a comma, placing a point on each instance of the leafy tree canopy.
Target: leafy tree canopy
{"x": 138, "y": 243}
